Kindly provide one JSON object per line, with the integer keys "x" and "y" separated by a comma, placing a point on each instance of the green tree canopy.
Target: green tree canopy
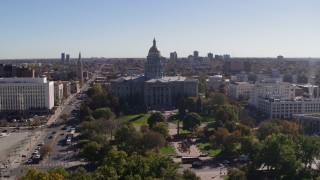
{"x": 154, "y": 118}
{"x": 162, "y": 128}
{"x": 278, "y": 153}
{"x": 191, "y": 121}
{"x": 105, "y": 113}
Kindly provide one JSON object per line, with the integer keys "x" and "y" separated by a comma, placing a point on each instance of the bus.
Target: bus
{"x": 73, "y": 130}
{"x": 69, "y": 139}
{"x": 189, "y": 160}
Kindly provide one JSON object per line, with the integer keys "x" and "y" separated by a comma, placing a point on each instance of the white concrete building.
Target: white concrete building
{"x": 278, "y": 100}
{"x": 214, "y": 82}
{"x": 239, "y": 90}
{"x": 277, "y": 90}
{"x": 26, "y": 95}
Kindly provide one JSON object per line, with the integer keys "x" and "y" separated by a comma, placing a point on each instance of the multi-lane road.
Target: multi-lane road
{"x": 54, "y": 134}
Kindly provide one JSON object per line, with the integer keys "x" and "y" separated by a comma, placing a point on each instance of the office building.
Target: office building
{"x": 26, "y": 95}
{"x": 62, "y": 57}
{"x": 195, "y": 55}
{"x": 68, "y": 58}
{"x": 239, "y": 90}
{"x": 210, "y": 56}
{"x": 173, "y": 56}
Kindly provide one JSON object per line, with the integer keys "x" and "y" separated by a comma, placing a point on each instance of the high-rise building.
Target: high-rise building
{"x": 68, "y": 59}
{"x": 210, "y": 56}
{"x": 80, "y": 70}
{"x": 195, "y": 55}
{"x": 173, "y": 56}
{"x": 279, "y": 57}
{"x": 62, "y": 57}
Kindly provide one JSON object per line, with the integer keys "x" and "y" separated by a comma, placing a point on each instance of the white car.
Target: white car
{"x": 36, "y": 156}
{"x": 36, "y": 151}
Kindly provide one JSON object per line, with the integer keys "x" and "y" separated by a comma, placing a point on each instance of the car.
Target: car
{"x": 42, "y": 142}
{"x": 54, "y": 132}
{"x": 29, "y": 161}
{"x": 36, "y": 151}
{"x": 50, "y": 137}
{"x": 64, "y": 128}
{"x": 36, "y": 157}
{"x": 196, "y": 165}
{"x": 61, "y": 134}
{"x": 33, "y": 154}
{"x": 38, "y": 148}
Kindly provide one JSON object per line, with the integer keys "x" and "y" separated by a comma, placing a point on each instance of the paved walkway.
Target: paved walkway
{"x": 193, "y": 151}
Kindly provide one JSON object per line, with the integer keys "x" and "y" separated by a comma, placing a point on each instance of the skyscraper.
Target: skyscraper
{"x": 195, "y": 55}
{"x": 210, "y": 56}
{"x": 68, "y": 59}
{"x": 80, "y": 69}
{"x": 62, "y": 57}
{"x": 173, "y": 56}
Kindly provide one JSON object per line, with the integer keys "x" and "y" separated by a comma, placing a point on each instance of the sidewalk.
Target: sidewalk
{"x": 193, "y": 151}
{"x": 17, "y": 159}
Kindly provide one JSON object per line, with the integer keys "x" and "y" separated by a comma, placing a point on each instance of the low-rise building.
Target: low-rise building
{"x": 58, "y": 91}
{"x": 75, "y": 87}
{"x": 66, "y": 88}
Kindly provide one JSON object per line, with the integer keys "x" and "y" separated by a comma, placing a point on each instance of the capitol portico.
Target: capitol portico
{"x": 157, "y": 90}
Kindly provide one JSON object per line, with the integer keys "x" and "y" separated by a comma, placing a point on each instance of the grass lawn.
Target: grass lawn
{"x": 167, "y": 150}
{"x": 138, "y": 119}
{"x": 208, "y": 120}
{"x": 206, "y": 148}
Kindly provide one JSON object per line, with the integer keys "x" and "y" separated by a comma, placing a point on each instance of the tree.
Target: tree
{"x": 191, "y": 121}
{"x": 80, "y": 173}
{"x": 290, "y": 127}
{"x": 278, "y": 153}
{"x": 267, "y": 128}
{"x": 45, "y": 150}
{"x": 91, "y": 152}
{"x": 249, "y": 146}
{"x": 103, "y": 113}
{"x": 162, "y": 128}
{"x": 308, "y": 149}
{"x": 95, "y": 91}
{"x": 218, "y": 99}
{"x": 236, "y": 174}
{"x": 191, "y": 105}
{"x": 190, "y": 175}
{"x": 181, "y": 106}
{"x": 152, "y": 140}
{"x": 154, "y": 118}
{"x": 199, "y": 105}
{"x": 64, "y": 117}
{"x": 227, "y": 113}
{"x": 88, "y": 119}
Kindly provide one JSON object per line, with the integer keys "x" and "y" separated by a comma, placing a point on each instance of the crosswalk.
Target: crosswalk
{"x": 54, "y": 164}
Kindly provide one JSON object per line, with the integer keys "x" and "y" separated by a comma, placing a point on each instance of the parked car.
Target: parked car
{"x": 50, "y": 137}
{"x": 29, "y": 161}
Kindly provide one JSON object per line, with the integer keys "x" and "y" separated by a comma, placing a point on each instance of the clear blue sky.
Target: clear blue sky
{"x": 118, "y": 28}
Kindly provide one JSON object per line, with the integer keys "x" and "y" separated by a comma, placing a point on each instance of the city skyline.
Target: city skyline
{"x": 45, "y": 29}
